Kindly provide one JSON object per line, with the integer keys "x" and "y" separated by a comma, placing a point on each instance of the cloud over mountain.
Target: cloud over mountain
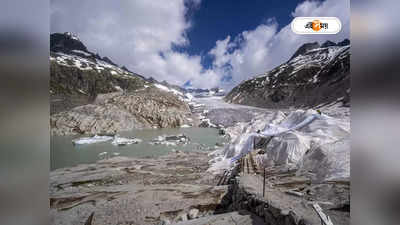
{"x": 143, "y": 35}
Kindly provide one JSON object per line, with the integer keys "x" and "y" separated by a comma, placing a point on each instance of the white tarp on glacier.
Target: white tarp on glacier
{"x": 295, "y": 141}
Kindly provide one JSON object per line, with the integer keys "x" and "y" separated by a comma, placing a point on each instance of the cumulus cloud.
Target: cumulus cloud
{"x": 259, "y": 50}
{"x": 141, "y": 35}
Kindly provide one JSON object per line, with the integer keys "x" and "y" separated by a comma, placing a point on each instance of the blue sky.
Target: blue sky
{"x": 205, "y": 43}
{"x": 214, "y": 20}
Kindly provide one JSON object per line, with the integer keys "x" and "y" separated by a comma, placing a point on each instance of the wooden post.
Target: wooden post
{"x": 264, "y": 184}
{"x": 220, "y": 179}
{"x": 89, "y": 219}
{"x": 248, "y": 169}
{"x": 325, "y": 220}
{"x": 242, "y": 165}
{"x": 225, "y": 178}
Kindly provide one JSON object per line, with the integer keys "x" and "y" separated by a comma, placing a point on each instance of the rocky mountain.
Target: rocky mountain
{"x": 315, "y": 74}
{"x": 79, "y": 77}
{"x": 109, "y": 113}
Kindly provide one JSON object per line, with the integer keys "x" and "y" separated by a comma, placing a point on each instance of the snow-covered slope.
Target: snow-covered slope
{"x": 76, "y": 60}
{"x": 314, "y": 75}
{"x": 67, "y": 50}
{"x": 77, "y": 75}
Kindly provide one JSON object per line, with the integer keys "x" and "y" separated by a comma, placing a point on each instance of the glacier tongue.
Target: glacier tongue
{"x": 304, "y": 139}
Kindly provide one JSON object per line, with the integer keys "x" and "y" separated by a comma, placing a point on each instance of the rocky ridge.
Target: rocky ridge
{"x": 316, "y": 74}
{"x": 91, "y": 94}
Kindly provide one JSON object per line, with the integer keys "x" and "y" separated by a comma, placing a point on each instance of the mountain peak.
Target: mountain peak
{"x": 344, "y": 42}
{"x": 108, "y": 60}
{"x": 71, "y": 36}
{"x": 328, "y": 43}
{"x": 66, "y": 42}
{"x": 304, "y": 48}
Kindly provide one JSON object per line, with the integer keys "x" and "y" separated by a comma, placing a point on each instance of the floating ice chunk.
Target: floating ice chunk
{"x": 180, "y": 139}
{"x": 120, "y": 141}
{"x": 103, "y": 153}
{"x": 185, "y": 126}
{"x": 91, "y": 140}
{"x": 169, "y": 143}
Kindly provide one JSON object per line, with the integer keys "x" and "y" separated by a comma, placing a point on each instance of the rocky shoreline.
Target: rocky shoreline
{"x": 172, "y": 188}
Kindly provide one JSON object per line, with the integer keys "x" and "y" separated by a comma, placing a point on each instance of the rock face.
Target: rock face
{"x": 314, "y": 75}
{"x": 119, "y": 111}
{"x": 77, "y": 75}
{"x": 71, "y": 86}
{"x": 65, "y": 42}
{"x": 90, "y": 94}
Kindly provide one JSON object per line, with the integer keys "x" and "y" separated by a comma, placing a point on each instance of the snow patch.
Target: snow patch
{"x": 81, "y": 52}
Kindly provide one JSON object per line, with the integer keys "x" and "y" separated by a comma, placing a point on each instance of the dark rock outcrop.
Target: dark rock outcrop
{"x": 328, "y": 44}
{"x": 304, "y": 48}
{"x": 65, "y": 43}
{"x": 344, "y": 42}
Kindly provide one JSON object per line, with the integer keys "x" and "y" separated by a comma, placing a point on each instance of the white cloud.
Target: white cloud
{"x": 140, "y": 34}
{"x": 133, "y": 33}
{"x": 263, "y": 48}
{"x": 220, "y": 53}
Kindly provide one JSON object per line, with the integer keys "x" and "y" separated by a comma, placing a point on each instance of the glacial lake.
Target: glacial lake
{"x": 64, "y": 154}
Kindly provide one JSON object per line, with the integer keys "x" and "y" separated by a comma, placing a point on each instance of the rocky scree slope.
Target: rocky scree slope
{"x": 118, "y": 111}
{"x": 316, "y": 74}
{"x": 79, "y": 77}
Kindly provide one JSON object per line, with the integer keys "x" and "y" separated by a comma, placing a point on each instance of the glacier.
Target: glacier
{"x": 311, "y": 142}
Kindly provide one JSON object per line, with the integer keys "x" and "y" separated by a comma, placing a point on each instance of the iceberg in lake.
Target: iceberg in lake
{"x": 120, "y": 141}
{"x": 116, "y": 140}
{"x": 92, "y": 140}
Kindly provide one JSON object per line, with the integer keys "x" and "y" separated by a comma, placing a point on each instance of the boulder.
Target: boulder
{"x": 193, "y": 213}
